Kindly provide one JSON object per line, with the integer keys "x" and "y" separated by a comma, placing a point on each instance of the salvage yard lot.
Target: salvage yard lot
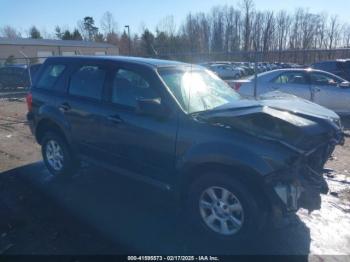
{"x": 101, "y": 213}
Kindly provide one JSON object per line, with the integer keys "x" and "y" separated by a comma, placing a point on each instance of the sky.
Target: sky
{"x": 46, "y": 14}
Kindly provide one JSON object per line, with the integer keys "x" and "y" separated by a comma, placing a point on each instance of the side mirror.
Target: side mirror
{"x": 344, "y": 84}
{"x": 151, "y": 107}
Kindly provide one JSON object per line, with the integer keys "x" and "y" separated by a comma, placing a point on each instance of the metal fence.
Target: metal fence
{"x": 302, "y": 57}
{"x": 20, "y": 76}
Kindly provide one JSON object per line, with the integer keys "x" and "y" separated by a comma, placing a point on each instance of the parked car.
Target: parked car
{"x": 317, "y": 86}
{"x": 14, "y": 76}
{"x": 337, "y": 67}
{"x": 226, "y": 71}
{"x": 234, "y": 164}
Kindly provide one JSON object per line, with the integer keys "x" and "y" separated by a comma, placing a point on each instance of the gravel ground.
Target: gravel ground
{"x": 25, "y": 216}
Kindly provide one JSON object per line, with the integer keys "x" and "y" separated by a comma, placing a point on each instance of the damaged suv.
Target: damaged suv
{"x": 235, "y": 164}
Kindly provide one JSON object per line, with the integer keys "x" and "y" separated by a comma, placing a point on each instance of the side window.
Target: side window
{"x": 88, "y": 82}
{"x": 50, "y": 75}
{"x": 128, "y": 86}
{"x": 324, "y": 79}
{"x": 291, "y": 78}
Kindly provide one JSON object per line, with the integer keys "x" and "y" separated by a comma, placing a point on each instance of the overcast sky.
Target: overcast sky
{"x": 46, "y": 14}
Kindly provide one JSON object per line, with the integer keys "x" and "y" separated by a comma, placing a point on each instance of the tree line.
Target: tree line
{"x": 224, "y": 29}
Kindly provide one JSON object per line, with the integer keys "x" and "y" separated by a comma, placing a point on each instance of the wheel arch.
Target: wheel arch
{"x": 244, "y": 174}
{"x": 46, "y": 125}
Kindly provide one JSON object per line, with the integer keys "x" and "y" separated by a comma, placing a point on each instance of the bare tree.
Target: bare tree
{"x": 10, "y": 32}
{"x": 248, "y": 9}
{"x": 269, "y": 29}
{"x": 108, "y": 24}
{"x": 167, "y": 25}
{"x": 283, "y": 23}
{"x": 333, "y": 32}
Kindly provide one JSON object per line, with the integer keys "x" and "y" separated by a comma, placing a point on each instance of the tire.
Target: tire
{"x": 243, "y": 202}
{"x": 68, "y": 163}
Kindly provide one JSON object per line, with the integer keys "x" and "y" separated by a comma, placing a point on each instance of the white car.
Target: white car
{"x": 317, "y": 86}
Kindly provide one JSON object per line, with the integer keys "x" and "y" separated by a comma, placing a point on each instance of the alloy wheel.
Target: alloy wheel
{"x": 221, "y": 210}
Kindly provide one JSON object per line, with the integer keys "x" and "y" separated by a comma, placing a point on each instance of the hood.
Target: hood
{"x": 292, "y": 121}
{"x": 297, "y": 105}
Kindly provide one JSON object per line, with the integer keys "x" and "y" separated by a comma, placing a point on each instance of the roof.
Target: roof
{"x": 137, "y": 60}
{"x": 51, "y": 42}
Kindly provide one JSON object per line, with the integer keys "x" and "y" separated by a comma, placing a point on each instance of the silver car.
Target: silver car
{"x": 225, "y": 71}
{"x": 317, "y": 86}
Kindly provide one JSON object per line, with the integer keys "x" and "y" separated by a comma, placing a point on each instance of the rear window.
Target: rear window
{"x": 346, "y": 66}
{"x": 50, "y": 75}
{"x": 326, "y": 66}
{"x": 88, "y": 82}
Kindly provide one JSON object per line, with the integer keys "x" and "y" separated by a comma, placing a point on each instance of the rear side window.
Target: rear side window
{"x": 88, "y": 82}
{"x": 50, "y": 75}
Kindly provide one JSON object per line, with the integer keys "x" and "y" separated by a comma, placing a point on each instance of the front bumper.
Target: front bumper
{"x": 301, "y": 185}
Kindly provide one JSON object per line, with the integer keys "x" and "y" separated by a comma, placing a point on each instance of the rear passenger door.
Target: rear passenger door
{"x": 292, "y": 82}
{"x": 81, "y": 105}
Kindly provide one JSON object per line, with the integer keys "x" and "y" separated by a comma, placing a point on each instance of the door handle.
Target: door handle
{"x": 115, "y": 119}
{"x": 65, "y": 107}
{"x": 316, "y": 89}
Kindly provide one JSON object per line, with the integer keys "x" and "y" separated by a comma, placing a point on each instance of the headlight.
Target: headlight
{"x": 336, "y": 122}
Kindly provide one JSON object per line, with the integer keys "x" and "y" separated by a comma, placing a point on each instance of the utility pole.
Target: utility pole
{"x": 128, "y": 27}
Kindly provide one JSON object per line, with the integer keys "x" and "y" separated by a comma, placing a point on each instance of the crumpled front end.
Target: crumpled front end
{"x": 301, "y": 185}
{"x": 310, "y": 133}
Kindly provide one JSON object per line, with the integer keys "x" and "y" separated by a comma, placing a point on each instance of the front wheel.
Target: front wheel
{"x": 222, "y": 207}
{"x": 57, "y": 156}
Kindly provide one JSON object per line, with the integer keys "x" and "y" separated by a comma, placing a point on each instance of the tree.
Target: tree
{"x": 333, "y": 32}
{"x": 99, "y": 37}
{"x": 34, "y": 33}
{"x": 90, "y": 28}
{"x": 58, "y": 32}
{"x": 112, "y": 38}
{"x": 76, "y": 35}
{"x": 108, "y": 24}
{"x": 218, "y": 30}
{"x": 124, "y": 44}
{"x": 10, "y": 60}
{"x": 67, "y": 35}
{"x": 283, "y": 22}
{"x": 9, "y": 32}
{"x": 247, "y": 8}
{"x": 167, "y": 25}
{"x": 147, "y": 43}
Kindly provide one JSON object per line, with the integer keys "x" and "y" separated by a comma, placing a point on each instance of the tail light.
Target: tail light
{"x": 29, "y": 99}
{"x": 237, "y": 86}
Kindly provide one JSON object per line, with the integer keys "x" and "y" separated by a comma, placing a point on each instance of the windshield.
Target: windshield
{"x": 198, "y": 90}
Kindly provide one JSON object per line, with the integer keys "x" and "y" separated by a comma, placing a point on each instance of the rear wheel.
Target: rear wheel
{"x": 57, "y": 156}
{"x": 222, "y": 207}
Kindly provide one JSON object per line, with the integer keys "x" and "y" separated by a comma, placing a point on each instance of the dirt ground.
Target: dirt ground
{"x": 17, "y": 145}
{"x": 25, "y": 216}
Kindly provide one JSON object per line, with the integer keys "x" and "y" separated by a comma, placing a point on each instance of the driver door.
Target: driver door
{"x": 143, "y": 144}
{"x": 328, "y": 92}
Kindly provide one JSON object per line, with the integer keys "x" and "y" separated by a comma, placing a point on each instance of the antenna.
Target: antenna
{"x": 191, "y": 62}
